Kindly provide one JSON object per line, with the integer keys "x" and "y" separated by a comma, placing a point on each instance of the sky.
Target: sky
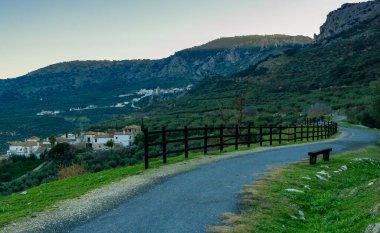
{"x": 35, "y": 34}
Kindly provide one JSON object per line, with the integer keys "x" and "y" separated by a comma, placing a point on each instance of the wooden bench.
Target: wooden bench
{"x": 325, "y": 152}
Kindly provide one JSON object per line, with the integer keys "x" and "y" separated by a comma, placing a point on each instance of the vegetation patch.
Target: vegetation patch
{"x": 342, "y": 195}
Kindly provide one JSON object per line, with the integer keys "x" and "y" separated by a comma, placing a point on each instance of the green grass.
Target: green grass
{"x": 43, "y": 197}
{"x": 344, "y": 203}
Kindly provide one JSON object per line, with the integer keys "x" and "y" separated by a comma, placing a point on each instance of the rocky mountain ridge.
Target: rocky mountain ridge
{"x": 183, "y": 68}
{"x": 348, "y": 16}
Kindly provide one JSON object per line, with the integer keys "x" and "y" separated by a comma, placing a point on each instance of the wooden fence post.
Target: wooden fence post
{"x": 279, "y": 134}
{"x": 164, "y": 155}
{"x": 288, "y": 134}
{"x": 270, "y": 135}
{"x": 205, "y": 141}
{"x": 186, "y": 143}
{"x": 313, "y": 132}
{"x": 146, "y": 148}
{"x": 325, "y": 129}
{"x": 236, "y": 137}
{"x": 261, "y": 136}
{"x": 249, "y": 135}
{"x": 295, "y": 133}
{"x": 307, "y": 132}
{"x": 221, "y": 138}
{"x": 318, "y": 132}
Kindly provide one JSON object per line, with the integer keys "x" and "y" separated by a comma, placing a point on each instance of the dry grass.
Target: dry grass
{"x": 70, "y": 171}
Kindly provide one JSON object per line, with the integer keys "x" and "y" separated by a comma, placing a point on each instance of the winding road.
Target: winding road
{"x": 191, "y": 201}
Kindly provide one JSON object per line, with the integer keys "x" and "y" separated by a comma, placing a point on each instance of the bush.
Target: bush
{"x": 69, "y": 171}
{"x": 5, "y": 177}
{"x": 62, "y": 153}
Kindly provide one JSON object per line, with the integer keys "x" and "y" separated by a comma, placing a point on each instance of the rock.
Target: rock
{"x": 324, "y": 166}
{"x": 324, "y": 173}
{"x": 293, "y": 217}
{"x": 347, "y": 17}
{"x": 306, "y": 178}
{"x": 370, "y": 183}
{"x": 344, "y": 168}
{"x": 375, "y": 211}
{"x": 321, "y": 177}
{"x": 294, "y": 190}
{"x": 361, "y": 159}
{"x": 24, "y": 193}
{"x": 307, "y": 187}
{"x": 373, "y": 228}
{"x": 302, "y": 214}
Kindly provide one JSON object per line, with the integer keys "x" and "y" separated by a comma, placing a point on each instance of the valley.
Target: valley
{"x": 97, "y": 91}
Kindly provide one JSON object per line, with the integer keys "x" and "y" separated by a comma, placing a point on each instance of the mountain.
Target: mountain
{"x": 72, "y": 95}
{"x": 335, "y": 71}
{"x": 349, "y": 16}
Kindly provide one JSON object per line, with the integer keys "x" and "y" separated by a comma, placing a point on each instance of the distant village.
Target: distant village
{"x": 95, "y": 140}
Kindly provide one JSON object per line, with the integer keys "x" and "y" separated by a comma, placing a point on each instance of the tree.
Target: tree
{"x": 62, "y": 152}
{"x": 375, "y": 101}
{"x": 52, "y": 140}
{"x": 109, "y": 143}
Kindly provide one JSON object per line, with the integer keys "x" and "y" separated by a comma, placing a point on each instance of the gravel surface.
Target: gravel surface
{"x": 182, "y": 197}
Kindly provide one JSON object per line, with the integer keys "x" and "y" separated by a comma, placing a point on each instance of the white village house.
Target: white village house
{"x": 95, "y": 140}
{"x": 33, "y": 145}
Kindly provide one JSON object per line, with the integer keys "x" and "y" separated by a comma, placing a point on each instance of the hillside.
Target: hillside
{"x": 73, "y": 95}
{"x": 336, "y": 72}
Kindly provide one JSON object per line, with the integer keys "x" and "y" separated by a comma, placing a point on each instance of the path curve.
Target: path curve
{"x": 190, "y": 201}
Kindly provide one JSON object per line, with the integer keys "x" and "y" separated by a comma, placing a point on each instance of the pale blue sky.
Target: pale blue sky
{"x": 37, "y": 33}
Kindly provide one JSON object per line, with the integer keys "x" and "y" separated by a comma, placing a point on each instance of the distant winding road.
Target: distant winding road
{"x": 190, "y": 201}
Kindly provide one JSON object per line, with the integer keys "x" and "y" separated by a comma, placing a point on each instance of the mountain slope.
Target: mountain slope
{"x": 336, "y": 71}
{"x": 79, "y": 93}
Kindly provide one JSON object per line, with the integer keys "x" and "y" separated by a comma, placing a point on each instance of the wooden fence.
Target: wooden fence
{"x": 167, "y": 142}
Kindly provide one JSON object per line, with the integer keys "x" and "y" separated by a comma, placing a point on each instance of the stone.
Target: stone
{"x": 373, "y": 228}
{"x": 302, "y": 214}
{"x": 306, "y": 178}
{"x": 24, "y": 193}
{"x": 321, "y": 177}
{"x": 324, "y": 173}
{"x": 375, "y": 211}
{"x": 294, "y": 190}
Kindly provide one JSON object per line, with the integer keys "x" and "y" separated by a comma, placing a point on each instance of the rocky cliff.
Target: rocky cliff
{"x": 348, "y": 16}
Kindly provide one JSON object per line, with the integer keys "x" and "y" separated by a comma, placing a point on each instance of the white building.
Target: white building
{"x": 124, "y": 139}
{"x": 97, "y": 140}
{"x": 26, "y": 148}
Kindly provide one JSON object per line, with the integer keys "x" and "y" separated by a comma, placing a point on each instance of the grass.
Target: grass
{"x": 348, "y": 202}
{"x": 44, "y": 197}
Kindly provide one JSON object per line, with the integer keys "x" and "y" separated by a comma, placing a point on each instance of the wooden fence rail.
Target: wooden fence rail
{"x": 166, "y": 142}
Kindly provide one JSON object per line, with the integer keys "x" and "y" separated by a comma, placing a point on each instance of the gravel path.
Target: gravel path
{"x": 183, "y": 197}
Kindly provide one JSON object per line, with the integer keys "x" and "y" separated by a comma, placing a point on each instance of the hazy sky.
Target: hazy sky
{"x": 37, "y": 33}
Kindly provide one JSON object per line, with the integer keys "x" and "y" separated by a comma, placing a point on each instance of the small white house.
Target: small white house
{"x": 124, "y": 139}
{"x": 22, "y": 148}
